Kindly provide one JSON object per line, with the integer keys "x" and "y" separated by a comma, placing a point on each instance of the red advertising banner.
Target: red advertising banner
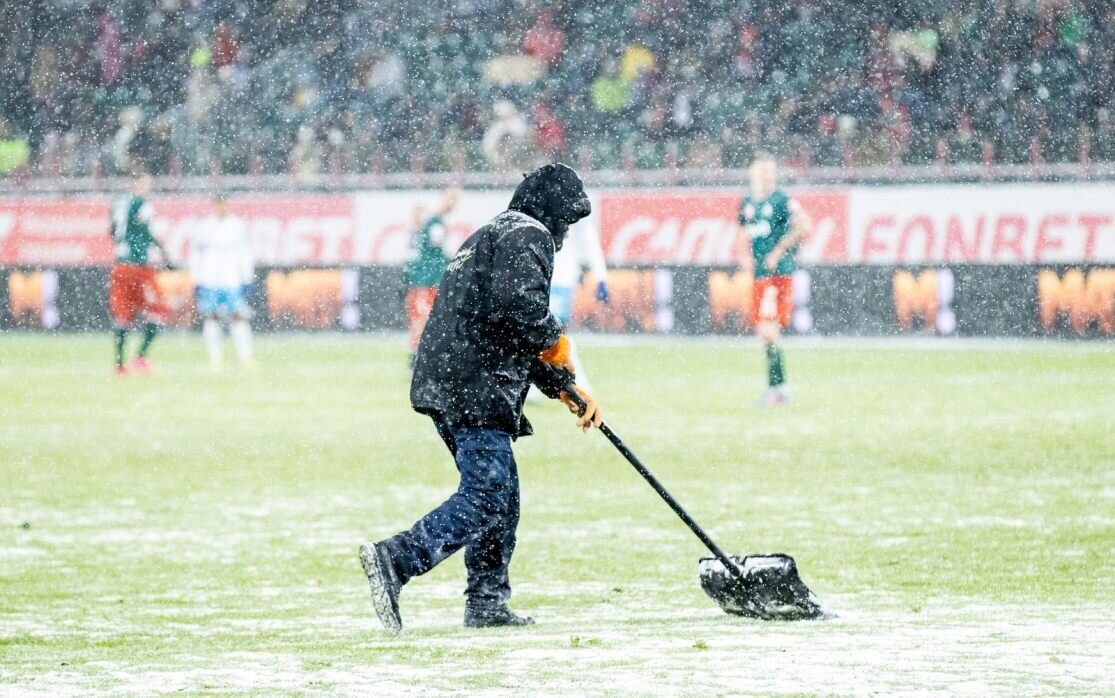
{"x": 892, "y": 225}
{"x": 953, "y": 224}
{"x": 55, "y": 231}
{"x": 364, "y": 228}
{"x": 698, "y": 227}
{"x": 284, "y": 230}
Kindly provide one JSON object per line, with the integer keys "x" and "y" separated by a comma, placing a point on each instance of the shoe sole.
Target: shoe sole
{"x": 483, "y": 622}
{"x": 475, "y": 625}
{"x": 381, "y": 600}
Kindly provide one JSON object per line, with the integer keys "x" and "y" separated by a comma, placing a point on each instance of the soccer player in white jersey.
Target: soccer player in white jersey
{"x": 222, "y": 271}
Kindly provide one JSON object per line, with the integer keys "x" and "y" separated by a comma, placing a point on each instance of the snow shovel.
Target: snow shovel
{"x": 767, "y": 587}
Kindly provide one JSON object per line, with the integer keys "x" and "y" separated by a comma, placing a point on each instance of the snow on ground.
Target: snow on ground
{"x": 948, "y": 648}
{"x": 240, "y": 622}
{"x": 631, "y": 643}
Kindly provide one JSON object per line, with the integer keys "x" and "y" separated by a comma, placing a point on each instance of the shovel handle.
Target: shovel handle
{"x": 677, "y": 508}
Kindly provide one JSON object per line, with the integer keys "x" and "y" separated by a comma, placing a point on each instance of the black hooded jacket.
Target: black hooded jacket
{"x": 479, "y": 351}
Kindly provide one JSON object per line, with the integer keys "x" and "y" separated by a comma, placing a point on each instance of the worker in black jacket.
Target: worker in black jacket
{"x": 489, "y": 336}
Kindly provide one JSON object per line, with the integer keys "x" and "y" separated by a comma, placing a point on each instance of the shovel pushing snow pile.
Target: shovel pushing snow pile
{"x": 767, "y": 587}
{"x": 762, "y": 586}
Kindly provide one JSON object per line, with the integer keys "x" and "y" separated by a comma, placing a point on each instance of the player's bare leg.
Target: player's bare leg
{"x": 155, "y": 312}
{"x": 776, "y": 392}
{"x": 213, "y": 334}
{"x": 119, "y": 335}
{"x": 140, "y": 363}
{"x": 770, "y": 332}
{"x": 241, "y": 333}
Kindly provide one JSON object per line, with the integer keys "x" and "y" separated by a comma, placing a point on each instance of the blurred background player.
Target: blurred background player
{"x": 581, "y": 251}
{"x": 133, "y": 288}
{"x": 222, "y": 271}
{"x": 771, "y": 225}
{"x": 430, "y": 256}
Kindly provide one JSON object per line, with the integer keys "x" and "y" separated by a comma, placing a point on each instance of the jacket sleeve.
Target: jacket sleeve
{"x": 550, "y": 380}
{"x": 521, "y": 269}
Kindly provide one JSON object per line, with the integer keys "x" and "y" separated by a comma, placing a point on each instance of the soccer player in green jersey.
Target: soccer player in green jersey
{"x": 133, "y": 289}
{"x": 771, "y": 225}
{"x": 429, "y": 258}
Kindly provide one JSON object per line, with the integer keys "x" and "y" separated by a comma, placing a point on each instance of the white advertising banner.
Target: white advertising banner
{"x": 384, "y": 221}
{"x": 999, "y": 224}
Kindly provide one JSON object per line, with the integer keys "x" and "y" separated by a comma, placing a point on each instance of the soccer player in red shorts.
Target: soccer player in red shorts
{"x": 771, "y": 225}
{"x": 133, "y": 290}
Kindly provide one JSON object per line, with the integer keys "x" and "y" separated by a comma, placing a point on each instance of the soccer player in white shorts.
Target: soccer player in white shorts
{"x": 222, "y": 271}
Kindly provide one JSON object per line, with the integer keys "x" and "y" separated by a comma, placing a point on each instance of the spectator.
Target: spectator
{"x": 108, "y": 50}
{"x": 131, "y": 121}
{"x": 963, "y": 144}
{"x": 637, "y": 61}
{"x": 151, "y": 147}
{"x": 308, "y": 154}
{"x": 1103, "y": 140}
{"x": 611, "y": 94}
{"x": 505, "y": 139}
{"x": 386, "y": 78}
{"x": 14, "y": 150}
{"x": 545, "y": 41}
{"x": 226, "y": 49}
{"x": 549, "y": 133}
{"x": 746, "y": 54}
{"x": 235, "y": 81}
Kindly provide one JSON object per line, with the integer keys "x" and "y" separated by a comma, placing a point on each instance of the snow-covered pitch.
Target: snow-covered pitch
{"x": 190, "y": 532}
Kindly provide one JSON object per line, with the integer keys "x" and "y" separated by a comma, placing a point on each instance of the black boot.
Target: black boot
{"x": 385, "y": 584}
{"x": 493, "y": 616}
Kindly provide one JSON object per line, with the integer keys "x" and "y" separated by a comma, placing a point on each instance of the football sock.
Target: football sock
{"x": 149, "y": 331}
{"x": 118, "y": 337}
{"x": 211, "y": 333}
{"x": 775, "y": 374}
{"x": 241, "y": 333}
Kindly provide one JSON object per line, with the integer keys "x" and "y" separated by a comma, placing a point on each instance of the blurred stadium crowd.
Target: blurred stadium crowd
{"x": 89, "y": 87}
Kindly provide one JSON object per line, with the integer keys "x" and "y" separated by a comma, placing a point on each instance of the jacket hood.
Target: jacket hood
{"x": 555, "y": 196}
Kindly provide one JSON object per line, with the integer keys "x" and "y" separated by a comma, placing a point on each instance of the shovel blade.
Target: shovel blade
{"x": 767, "y": 587}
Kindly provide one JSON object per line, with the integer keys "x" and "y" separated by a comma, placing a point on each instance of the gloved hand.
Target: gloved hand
{"x": 591, "y": 417}
{"x": 602, "y": 294}
{"x": 560, "y": 355}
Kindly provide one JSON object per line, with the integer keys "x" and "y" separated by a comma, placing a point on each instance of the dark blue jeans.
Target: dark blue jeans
{"x": 481, "y": 517}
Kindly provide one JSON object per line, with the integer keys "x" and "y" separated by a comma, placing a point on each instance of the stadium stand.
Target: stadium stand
{"x": 90, "y": 88}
